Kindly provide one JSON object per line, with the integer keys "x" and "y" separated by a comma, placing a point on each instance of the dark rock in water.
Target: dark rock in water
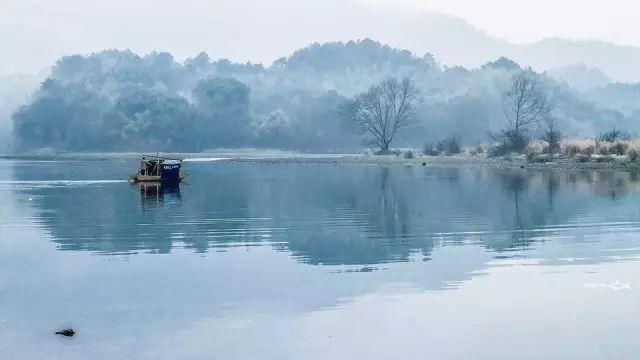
{"x": 424, "y": 164}
{"x": 66, "y": 332}
{"x": 521, "y": 166}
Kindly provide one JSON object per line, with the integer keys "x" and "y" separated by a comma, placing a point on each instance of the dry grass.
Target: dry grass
{"x": 535, "y": 147}
{"x": 579, "y": 150}
{"x": 572, "y": 147}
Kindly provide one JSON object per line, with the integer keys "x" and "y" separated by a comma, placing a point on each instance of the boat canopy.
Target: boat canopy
{"x": 161, "y": 158}
{"x": 171, "y": 162}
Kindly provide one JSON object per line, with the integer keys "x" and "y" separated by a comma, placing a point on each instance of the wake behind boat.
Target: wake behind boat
{"x": 159, "y": 169}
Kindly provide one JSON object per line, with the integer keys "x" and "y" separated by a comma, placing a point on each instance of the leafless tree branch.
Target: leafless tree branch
{"x": 525, "y": 103}
{"x": 384, "y": 109}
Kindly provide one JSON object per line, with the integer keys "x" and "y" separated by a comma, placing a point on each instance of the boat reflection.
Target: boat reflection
{"x": 151, "y": 192}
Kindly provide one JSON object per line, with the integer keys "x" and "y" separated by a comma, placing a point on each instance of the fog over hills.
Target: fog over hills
{"x": 456, "y": 42}
{"x": 246, "y": 30}
{"x": 190, "y": 78}
{"x": 117, "y": 100}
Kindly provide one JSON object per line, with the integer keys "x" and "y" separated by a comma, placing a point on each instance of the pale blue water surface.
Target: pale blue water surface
{"x": 313, "y": 261}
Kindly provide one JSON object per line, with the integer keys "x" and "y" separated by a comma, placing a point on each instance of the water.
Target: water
{"x": 311, "y": 261}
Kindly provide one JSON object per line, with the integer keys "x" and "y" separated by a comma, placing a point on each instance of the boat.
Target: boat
{"x": 159, "y": 169}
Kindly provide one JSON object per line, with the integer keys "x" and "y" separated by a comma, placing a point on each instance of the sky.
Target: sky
{"x": 524, "y": 21}
{"x": 34, "y": 33}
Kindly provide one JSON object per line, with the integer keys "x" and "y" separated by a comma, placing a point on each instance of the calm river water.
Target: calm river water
{"x": 313, "y": 261}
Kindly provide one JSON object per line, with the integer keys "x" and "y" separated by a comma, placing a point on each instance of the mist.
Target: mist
{"x": 121, "y": 101}
{"x": 33, "y": 35}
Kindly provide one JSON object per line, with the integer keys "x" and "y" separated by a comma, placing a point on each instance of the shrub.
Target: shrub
{"x": 538, "y": 158}
{"x": 450, "y": 146}
{"x": 531, "y": 157}
{"x": 495, "y": 150}
{"x": 535, "y": 148}
{"x": 619, "y": 148}
{"x": 583, "y": 158}
{"x": 551, "y": 149}
{"x": 603, "y": 159}
{"x": 408, "y": 154}
{"x": 430, "y": 150}
{"x": 395, "y": 152}
{"x": 552, "y": 136}
{"x": 633, "y": 155}
{"x": 589, "y": 150}
{"x": 572, "y": 149}
{"x": 613, "y": 136}
{"x": 479, "y": 149}
{"x": 508, "y": 141}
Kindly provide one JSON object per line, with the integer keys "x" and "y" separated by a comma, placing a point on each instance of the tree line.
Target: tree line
{"x": 325, "y": 97}
{"x": 390, "y": 106}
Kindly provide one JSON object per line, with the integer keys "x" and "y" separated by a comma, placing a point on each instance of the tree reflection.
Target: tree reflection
{"x": 320, "y": 214}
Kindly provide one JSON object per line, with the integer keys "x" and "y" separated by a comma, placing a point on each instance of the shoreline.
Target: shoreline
{"x": 446, "y": 161}
{"x": 481, "y": 161}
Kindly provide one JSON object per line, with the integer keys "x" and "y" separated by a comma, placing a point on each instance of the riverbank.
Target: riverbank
{"x": 598, "y": 163}
{"x": 595, "y": 162}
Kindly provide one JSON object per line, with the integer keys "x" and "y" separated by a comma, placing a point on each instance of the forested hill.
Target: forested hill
{"x": 120, "y": 101}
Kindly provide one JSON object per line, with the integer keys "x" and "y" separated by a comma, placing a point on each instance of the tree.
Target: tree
{"x": 524, "y": 104}
{"x": 551, "y": 135}
{"x": 384, "y": 109}
{"x": 222, "y": 112}
{"x": 147, "y": 120}
{"x": 614, "y": 135}
{"x": 502, "y": 63}
{"x": 64, "y": 116}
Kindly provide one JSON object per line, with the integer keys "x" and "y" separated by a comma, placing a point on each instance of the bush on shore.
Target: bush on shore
{"x": 538, "y": 151}
{"x": 552, "y": 136}
{"x": 449, "y": 146}
{"x": 508, "y": 141}
{"x": 602, "y": 151}
{"x": 619, "y": 148}
{"x": 613, "y": 135}
{"x": 585, "y": 147}
{"x": 430, "y": 150}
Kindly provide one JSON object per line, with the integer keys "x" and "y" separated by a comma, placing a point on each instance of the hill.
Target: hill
{"x": 120, "y": 101}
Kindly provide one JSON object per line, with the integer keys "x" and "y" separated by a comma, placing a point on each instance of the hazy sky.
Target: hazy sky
{"x": 532, "y": 20}
{"x": 33, "y": 33}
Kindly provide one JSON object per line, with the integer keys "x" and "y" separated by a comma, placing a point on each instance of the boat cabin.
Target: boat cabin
{"x": 156, "y": 168}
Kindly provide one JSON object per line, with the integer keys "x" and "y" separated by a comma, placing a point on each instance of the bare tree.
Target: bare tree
{"x": 384, "y": 109}
{"x": 551, "y": 134}
{"x": 525, "y": 103}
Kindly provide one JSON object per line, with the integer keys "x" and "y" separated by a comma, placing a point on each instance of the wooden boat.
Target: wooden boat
{"x": 159, "y": 169}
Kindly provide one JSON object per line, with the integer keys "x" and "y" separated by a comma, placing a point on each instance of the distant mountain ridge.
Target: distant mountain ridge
{"x": 224, "y": 33}
{"x": 581, "y": 77}
{"x": 454, "y": 41}
{"x": 618, "y": 62}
